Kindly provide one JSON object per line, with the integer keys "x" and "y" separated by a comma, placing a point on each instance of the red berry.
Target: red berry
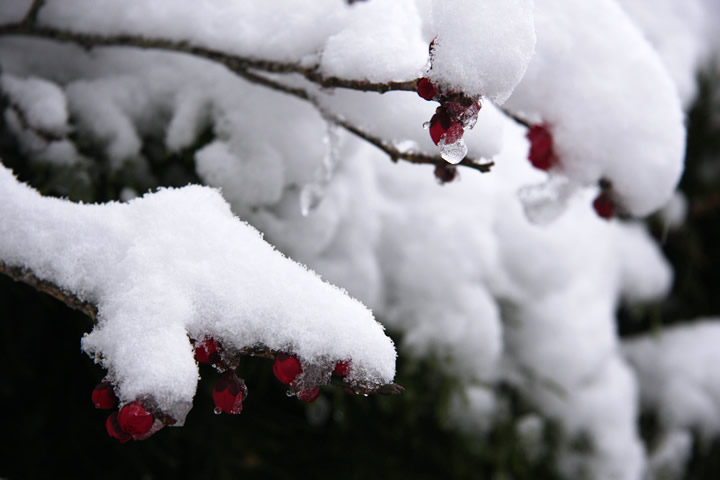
{"x": 442, "y": 127}
{"x": 207, "y": 351}
{"x": 229, "y": 393}
{"x": 103, "y": 396}
{"x": 342, "y": 368}
{"x": 286, "y": 368}
{"x": 309, "y": 395}
{"x": 426, "y": 89}
{"x": 134, "y": 419}
{"x": 446, "y": 173}
{"x": 114, "y": 430}
{"x": 541, "y": 153}
{"x": 604, "y": 206}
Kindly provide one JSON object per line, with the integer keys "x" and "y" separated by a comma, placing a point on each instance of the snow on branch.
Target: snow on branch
{"x": 251, "y": 69}
{"x": 175, "y": 268}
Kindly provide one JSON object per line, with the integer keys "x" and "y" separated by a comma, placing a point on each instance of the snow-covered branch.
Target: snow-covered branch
{"x": 178, "y": 265}
{"x": 250, "y": 69}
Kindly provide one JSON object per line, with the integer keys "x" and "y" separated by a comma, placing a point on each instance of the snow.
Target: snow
{"x": 178, "y": 263}
{"x": 617, "y": 117}
{"x": 506, "y": 277}
{"x": 481, "y": 48}
{"x": 397, "y": 49}
{"x": 42, "y": 103}
{"x": 677, "y": 374}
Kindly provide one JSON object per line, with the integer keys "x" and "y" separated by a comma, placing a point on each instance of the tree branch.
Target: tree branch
{"x": 26, "y": 276}
{"x": 249, "y": 68}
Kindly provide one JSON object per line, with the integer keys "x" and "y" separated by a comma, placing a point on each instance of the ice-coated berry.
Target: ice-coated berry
{"x": 444, "y": 128}
{"x": 114, "y": 430}
{"x": 207, "y": 351}
{"x": 541, "y": 153}
{"x": 342, "y": 368}
{"x": 604, "y": 206}
{"x": 134, "y": 419}
{"x": 426, "y": 89}
{"x": 309, "y": 395}
{"x": 229, "y": 393}
{"x": 103, "y": 396}
{"x": 286, "y": 368}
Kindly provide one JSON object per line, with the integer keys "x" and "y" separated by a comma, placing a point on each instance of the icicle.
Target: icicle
{"x": 313, "y": 193}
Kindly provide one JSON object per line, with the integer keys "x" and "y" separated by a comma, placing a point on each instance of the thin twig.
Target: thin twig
{"x": 32, "y": 13}
{"x": 24, "y": 275}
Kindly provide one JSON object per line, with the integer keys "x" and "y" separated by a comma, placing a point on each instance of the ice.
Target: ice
{"x": 453, "y": 153}
{"x": 313, "y": 193}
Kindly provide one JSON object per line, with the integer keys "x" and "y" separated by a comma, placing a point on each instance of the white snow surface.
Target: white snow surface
{"x": 178, "y": 263}
{"x": 482, "y": 48}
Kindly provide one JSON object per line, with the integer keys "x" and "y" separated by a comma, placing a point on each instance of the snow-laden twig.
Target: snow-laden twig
{"x": 252, "y": 69}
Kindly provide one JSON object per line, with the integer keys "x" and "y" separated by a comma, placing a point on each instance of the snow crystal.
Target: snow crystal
{"x": 178, "y": 263}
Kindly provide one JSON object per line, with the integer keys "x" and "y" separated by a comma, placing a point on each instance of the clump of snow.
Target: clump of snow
{"x": 679, "y": 31}
{"x": 677, "y": 375}
{"x": 674, "y": 213}
{"x": 481, "y": 48}
{"x": 610, "y": 104}
{"x": 178, "y": 263}
{"x": 42, "y": 103}
{"x": 396, "y": 49}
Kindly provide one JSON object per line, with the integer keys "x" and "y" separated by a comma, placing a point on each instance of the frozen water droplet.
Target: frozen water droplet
{"x": 365, "y": 395}
{"x": 453, "y": 152}
{"x": 426, "y": 125}
{"x": 310, "y": 197}
{"x": 289, "y": 393}
{"x": 545, "y": 202}
{"x": 217, "y": 411}
{"x": 312, "y": 194}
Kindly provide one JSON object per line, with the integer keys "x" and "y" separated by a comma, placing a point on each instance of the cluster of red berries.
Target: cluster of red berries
{"x": 542, "y": 156}
{"x": 456, "y": 112}
{"x": 287, "y": 368}
{"x": 133, "y": 421}
{"x": 230, "y": 390}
